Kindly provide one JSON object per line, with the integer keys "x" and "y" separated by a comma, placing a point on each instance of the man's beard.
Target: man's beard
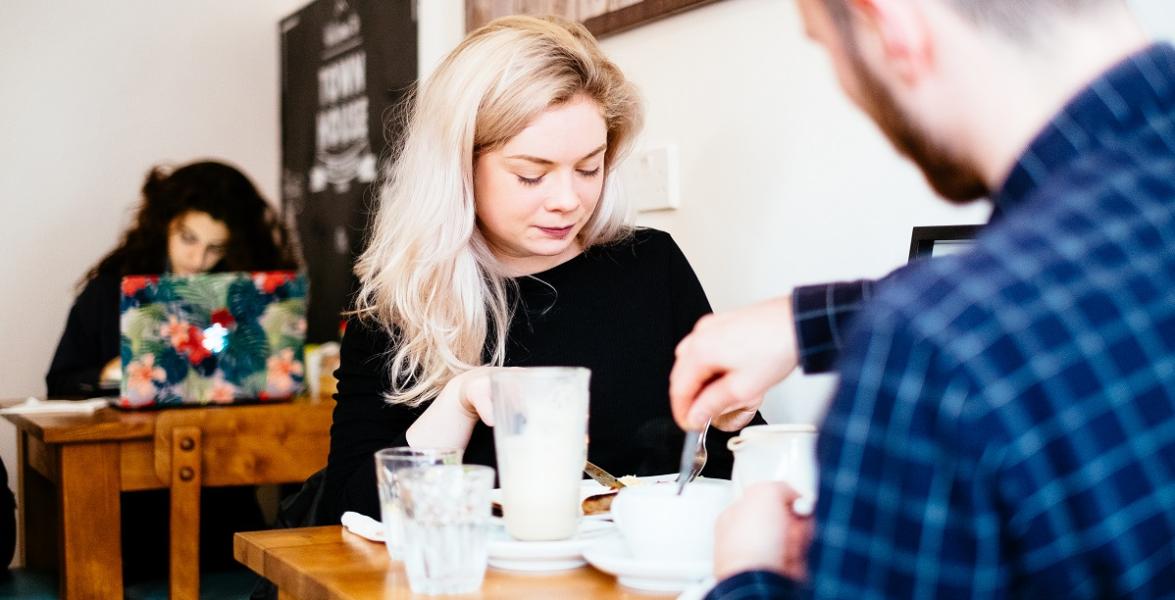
{"x": 954, "y": 179}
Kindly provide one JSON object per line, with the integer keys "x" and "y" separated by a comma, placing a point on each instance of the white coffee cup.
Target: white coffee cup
{"x": 657, "y": 524}
{"x": 783, "y": 452}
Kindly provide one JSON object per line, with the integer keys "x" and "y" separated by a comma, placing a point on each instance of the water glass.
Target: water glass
{"x": 390, "y": 461}
{"x": 446, "y": 525}
{"x": 540, "y": 437}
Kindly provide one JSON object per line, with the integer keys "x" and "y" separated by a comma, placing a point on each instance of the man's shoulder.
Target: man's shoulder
{"x": 964, "y": 305}
{"x": 931, "y": 296}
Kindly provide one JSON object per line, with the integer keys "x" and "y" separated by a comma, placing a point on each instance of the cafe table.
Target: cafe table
{"x": 330, "y": 563}
{"x": 73, "y": 466}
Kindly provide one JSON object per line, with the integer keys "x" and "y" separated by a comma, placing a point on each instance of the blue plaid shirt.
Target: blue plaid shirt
{"x": 823, "y": 316}
{"x": 1005, "y": 423}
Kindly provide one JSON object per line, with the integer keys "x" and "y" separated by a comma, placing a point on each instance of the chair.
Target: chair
{"x": 239, "y": 446}
{"x": 940, "y": 240}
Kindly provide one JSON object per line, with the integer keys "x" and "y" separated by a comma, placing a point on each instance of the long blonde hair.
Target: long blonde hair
{"x": 427, "y": 275}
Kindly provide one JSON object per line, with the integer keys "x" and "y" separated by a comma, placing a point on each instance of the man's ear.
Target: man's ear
{"x": 903, "y": 34}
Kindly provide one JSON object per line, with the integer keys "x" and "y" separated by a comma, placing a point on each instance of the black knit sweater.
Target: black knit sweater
{"x": 619, "y": 310}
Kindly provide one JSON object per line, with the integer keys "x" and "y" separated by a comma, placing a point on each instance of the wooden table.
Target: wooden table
{"x": 74, "y": 466}
{"x": 329, "y": 563}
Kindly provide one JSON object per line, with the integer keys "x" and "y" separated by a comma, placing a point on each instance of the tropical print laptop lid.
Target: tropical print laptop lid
{"x": 213, "y": 338}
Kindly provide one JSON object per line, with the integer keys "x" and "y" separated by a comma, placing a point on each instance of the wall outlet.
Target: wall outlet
{"x": 651, "y": 179}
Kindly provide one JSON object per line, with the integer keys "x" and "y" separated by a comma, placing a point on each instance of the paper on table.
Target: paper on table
{"x": 363, "y": 526}
{"x": 38, "y": 406}
{"x": 698, "y": 590}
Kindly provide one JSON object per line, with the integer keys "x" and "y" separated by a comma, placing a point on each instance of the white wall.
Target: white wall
{"x": 91, "y": 95}
{"x": 783, "y": 182}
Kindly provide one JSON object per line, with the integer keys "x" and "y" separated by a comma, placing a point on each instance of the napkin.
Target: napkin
{"x": 37, "y": 406}
{"x": 698, "y": 590}
{"x": 363, "y": 526}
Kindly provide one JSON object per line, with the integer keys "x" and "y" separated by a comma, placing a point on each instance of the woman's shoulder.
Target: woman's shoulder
{"x": 365, "y": 333}
{"x": 641, "y": 251}
{"x": 102, "y": 286}
{"x": 640, "y": 243}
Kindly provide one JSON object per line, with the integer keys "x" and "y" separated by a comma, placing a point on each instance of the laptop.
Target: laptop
{"x": 213, "y": 338}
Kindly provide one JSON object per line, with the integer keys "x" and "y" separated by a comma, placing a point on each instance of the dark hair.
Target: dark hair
{"x": 257, "y": 239}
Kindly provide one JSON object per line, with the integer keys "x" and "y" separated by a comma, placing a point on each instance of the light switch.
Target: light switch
{"x": 651, "y": 179}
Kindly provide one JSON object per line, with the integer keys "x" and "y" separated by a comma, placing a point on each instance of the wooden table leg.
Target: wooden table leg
{"x": 37, "y": 504}
{"x": 91, "y": 547}
{"x": 186, "y": 478}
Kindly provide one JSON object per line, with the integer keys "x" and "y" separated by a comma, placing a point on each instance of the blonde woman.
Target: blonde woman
{"x": 498, "y": 242}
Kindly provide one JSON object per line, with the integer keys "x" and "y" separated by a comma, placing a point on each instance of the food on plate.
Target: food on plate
{"x": 598, "y": 503}
{"x": 601, "y": 503}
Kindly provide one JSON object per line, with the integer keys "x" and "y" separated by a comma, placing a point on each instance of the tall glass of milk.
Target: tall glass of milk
{"x": 540, "y": 435}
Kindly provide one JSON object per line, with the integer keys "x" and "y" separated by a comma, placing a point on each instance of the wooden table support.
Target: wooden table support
{"x": 90, "y": 517}
{"x": 184, "y": 570}
{"x": 73, "y": 468}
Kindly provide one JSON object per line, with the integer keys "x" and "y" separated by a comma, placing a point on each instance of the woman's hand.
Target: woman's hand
{"x": 111, "y": 373}
{"x": 449, "y": 421}
{"x": 471, "y": 392}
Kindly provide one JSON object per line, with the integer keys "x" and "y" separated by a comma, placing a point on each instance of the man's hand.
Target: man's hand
{"x": 729, "y": 361}
{"x": 761, "y": 531}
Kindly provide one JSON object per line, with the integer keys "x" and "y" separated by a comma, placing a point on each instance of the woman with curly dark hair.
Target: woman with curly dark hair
{"x": 204, "y": 216}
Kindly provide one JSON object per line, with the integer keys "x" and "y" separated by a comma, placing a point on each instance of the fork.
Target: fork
{"x": 699, "y": 462}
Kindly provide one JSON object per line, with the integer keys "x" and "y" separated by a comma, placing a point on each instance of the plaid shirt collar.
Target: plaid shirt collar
{"x": 1115, "y": 104}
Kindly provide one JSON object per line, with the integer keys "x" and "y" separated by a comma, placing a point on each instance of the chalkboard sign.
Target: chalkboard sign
{"x": 345, "y": 66}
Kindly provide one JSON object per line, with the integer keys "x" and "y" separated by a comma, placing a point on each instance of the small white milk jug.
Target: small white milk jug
{"x": 784, "y": 452}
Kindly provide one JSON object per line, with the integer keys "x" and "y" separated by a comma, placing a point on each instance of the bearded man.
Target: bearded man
{"x": 1005, "y": 421}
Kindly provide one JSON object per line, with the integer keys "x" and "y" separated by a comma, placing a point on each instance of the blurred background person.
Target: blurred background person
{"x": 205, "y": 216}
{"x": 201, "y": 217}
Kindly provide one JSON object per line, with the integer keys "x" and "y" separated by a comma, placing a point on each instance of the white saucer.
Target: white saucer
{"x": 611, "y": 555}
{"x": 509, "y": 554}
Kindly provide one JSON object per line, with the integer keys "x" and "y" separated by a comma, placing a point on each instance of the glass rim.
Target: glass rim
{"x": 470, "y": 474}
{"x": 410, "y": 452}
{"x": 537, "y": 372}
{"x": 467, "y": 470}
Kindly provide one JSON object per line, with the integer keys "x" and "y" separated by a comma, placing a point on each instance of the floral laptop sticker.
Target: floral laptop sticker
{"x": 213, "y": 338}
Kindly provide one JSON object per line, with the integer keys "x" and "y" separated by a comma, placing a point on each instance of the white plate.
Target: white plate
{"x": 589, "y": 487}
{"x": 611, "y": 555}
{"x": 510, "y": 554}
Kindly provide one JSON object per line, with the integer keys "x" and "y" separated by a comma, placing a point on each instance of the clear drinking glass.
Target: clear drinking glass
{"x": 540, "y": 436}
{"x": 390, "y": 461}
{"x": 446, "y": 525}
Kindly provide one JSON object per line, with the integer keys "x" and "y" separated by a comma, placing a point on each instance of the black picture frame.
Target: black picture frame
{"x": 924, "y": 239}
